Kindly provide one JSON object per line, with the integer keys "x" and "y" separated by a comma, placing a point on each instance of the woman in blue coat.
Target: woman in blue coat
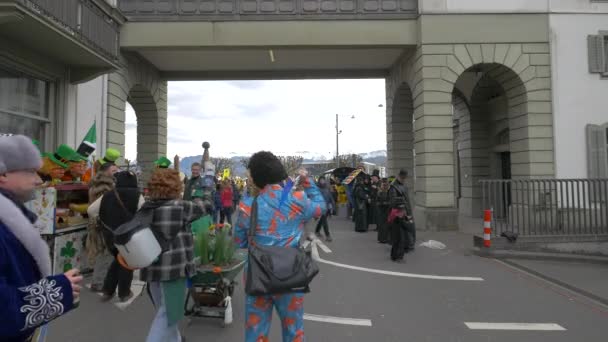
{"x": 282, "y": 214}
{"x": 30, "y": 296}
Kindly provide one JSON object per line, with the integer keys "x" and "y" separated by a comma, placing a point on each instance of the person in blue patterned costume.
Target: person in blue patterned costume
{"x": 282, "y": 214}
{"x": 30, "y": 296}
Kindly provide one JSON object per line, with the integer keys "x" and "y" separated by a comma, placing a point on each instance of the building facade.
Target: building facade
{"x": 475, "y": 89}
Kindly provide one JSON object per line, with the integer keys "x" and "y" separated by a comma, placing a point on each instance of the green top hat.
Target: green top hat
{"x": 111, "y": 156}
{"x": 162, "y": 162}
{"x": 62, "y": 155}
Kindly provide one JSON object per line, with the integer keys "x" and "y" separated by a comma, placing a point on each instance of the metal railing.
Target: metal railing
{"x": 192, "y": 10}
{"x": 547, "y": 206}
{"x": 81, "y": 19}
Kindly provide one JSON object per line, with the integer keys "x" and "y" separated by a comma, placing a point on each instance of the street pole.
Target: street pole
{"x": 337, "y": 143}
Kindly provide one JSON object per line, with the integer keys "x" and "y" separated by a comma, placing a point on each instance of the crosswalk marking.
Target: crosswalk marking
{"x": 514, "y": 326}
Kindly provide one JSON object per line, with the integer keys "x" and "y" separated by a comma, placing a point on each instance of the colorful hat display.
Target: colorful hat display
{"x": 111, "y": 156}
{"x": 62, "y": 155}
{"x": 162, "y": 162}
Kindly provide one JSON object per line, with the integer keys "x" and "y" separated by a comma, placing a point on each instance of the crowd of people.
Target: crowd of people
{"x": 282, "y": 205}
{"x": 386, "y": 205}
{"x": 32, "y": 296}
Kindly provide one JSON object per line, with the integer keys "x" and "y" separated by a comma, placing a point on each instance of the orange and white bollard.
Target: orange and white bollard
{"x": 487, "y": 228}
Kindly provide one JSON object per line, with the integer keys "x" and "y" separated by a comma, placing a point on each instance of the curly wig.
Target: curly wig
{"x": 265, "y": 168}
{"x": 165, "y": 184}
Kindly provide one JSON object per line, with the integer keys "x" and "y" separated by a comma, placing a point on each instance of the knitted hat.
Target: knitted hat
{"x": 111, "y": 156}
{"x": 162, "y": 162}
{"x": 18, "y": 153}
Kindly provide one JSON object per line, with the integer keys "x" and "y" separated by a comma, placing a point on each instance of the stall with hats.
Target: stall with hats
{"x": 61, "y": 205}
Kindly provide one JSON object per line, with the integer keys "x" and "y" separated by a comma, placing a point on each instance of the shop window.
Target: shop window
{"x": 597, "y": 151}
{"x": 24, "y": 105}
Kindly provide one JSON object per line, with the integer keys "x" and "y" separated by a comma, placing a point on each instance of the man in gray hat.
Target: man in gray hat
{"x": 31, "y": 296}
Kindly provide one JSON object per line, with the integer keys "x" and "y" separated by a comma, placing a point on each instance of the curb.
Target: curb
{"x": 575, "y": 289}
{"x": 511, "y": 254}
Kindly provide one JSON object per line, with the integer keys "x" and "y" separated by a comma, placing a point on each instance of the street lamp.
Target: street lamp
{"x": 338, "y": 132}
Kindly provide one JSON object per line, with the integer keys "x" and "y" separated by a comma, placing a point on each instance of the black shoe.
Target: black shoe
{"x": 329, "y": 239}
{"x": 107, "y": 297}
{"x": 126, "y": 298}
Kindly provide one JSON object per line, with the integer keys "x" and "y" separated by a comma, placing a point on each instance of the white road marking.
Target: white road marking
{"x": 338, "y": 320}
{"x": 514, "y": 326}
{"x": 323, "y": 246}
{"x": 317, "y": 257}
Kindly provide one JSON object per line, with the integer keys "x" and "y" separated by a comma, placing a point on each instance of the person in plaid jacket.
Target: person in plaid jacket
{"x": 166, "y": 277}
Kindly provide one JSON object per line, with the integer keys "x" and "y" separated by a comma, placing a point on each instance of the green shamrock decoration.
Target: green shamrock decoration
{"x": 68, "y": 252}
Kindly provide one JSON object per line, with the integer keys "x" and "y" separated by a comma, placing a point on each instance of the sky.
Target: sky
{"x": 295, "y": 117}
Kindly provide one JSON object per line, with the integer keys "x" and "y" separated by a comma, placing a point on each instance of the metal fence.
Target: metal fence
{"x": 547, "y": 206}
{"x": 82, "y": 19}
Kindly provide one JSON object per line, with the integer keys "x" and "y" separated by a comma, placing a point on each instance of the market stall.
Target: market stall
{"x": 62, "y": 221}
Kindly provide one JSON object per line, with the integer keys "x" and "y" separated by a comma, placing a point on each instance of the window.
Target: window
{"x": 24, "y": 105}
{"x": 597, "y": 151}
{"x": 597, "y": 46}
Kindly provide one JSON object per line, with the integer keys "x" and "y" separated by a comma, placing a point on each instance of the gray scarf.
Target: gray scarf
{"x": 26, "y": 233}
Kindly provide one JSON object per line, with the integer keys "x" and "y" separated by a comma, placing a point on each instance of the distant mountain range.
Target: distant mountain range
{"x": 375, "y": 157}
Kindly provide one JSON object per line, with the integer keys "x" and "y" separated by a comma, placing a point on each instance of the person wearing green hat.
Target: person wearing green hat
{"x": 111, "y": 156}
{"x": 162, "y": 163}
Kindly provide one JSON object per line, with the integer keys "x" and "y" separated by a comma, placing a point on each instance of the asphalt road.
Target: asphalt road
{"x": 400, "y": 308}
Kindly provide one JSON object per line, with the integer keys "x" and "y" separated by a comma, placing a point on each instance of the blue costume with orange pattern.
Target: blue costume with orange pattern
{"x": 280, "y": 223}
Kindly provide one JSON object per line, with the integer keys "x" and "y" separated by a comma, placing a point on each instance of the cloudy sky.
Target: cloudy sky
{"x": 286, "y": 117}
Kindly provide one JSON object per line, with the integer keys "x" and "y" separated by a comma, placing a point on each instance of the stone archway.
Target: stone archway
{"x": 400, "y": 132}
{"x": 139, "y": 83}
{"x": 522, "y": 70}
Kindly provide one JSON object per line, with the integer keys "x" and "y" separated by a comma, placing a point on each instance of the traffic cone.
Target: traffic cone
{"x": 487, "y": 228}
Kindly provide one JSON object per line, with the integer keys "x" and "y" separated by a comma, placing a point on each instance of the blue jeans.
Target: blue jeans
{"x": 161, "y": 331}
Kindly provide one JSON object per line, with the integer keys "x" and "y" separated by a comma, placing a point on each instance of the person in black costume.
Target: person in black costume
{"x": 382, "y": 210}
{"x": 401, "y": 219}
{"x": 374, "y": 185}
{"x": 361, "y": 199}
{"x": 118, "y": 207}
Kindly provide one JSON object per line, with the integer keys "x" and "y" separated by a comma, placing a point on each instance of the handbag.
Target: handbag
{"x": 276, "y": 269}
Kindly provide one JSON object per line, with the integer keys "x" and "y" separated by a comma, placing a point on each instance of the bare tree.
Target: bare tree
{"x": 349, "y": 160}
{"x": 291, "y": 163}
{"x": 245, "y": 162}
{"x": 222, "y": 163}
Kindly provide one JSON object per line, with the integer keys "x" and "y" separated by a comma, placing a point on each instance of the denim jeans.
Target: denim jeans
{"x": 160, "y": 331}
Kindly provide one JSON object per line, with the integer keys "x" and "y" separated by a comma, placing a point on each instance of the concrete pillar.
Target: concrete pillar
{"x": 399, "y": 130}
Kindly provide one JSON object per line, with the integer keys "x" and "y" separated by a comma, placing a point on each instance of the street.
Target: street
{"x": 370, "y": 298}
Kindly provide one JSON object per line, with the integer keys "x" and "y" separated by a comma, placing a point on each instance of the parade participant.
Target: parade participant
{"x": 162, "y": 163}
{"x": 95, "y": 244}
{"x": 329, "y": 202}
{"x": 115, "y": 208}
{"x": 111, "y": 156}
{"x": 281, "y": 221}
{"x": 30, "y": 295}
{"x": 401, "y": 218}
{"x": 361, "y": 199}
{"x": 382, "y": 212}
{"x": 226, "y": 199}
{"x": 166, "y": 277}
{"x": 194, "y": 183}
{"x": 373, "y": 198}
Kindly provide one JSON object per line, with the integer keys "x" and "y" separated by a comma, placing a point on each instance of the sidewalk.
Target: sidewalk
{"x": 588, "y": 279}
